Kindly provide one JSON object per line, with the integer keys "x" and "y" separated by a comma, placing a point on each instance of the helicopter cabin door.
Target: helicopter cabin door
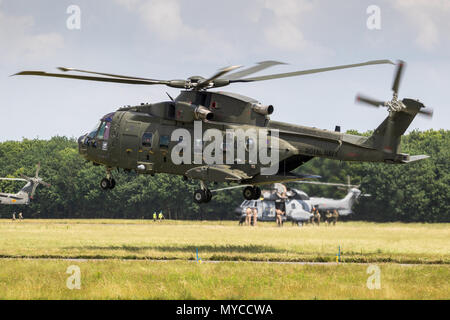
{"x": 148, "y": 147}
{"x": 268, "y": 210}
{"x": 129, "y": 144}
{"x": 162, "y": 146}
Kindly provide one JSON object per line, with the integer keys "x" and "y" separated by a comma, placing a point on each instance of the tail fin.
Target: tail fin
{"x": 28, "y": 188}
{"x": 387, "y": 136}
{"x": 351, "y": 197}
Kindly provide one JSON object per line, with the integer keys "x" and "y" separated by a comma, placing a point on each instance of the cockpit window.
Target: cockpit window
{"x": 107, "y": 129}
{"x": 108, "y": 117}
{"x": 93, "y": 132}
{"x": 101, "y": 130}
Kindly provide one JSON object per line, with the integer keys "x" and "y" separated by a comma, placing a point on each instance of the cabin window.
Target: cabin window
{"x": 164, "y": 142}
{"x": 147, "y": 139}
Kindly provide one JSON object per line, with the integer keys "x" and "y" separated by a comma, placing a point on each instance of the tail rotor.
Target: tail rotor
{"x": 35, "y": 181}
{"x": 396, "y": 105}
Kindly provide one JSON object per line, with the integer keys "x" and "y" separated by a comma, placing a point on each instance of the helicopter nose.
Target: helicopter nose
{"x": 81, "y": 144}
{"x": 81, "y": 140}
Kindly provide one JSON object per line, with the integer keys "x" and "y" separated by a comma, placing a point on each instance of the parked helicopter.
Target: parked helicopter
{"x": 344, "y": 205}
{"x": 296, "y": 204}
{"x": 141, "y": 138}
{"x": 26, "y": 193}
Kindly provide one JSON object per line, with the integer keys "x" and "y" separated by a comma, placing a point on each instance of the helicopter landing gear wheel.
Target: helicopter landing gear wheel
{"x": 208, "y": 195}
{"x": 108, "y": 182}
{"x": 252, "y": 193}
{"x": 202, "y": 195}
{"x": 257, "y": 193}
{"x": 105, "y": 184}
{"x": 249, "y": 193}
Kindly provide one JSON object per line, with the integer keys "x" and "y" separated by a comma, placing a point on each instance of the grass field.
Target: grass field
{"x": 391, "y": 246}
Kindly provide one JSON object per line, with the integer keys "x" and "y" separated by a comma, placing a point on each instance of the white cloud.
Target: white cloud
{"x": 284, "y": 32}
{"x": 427, "y": 18}
{"x": 16, "y": 35}
{"x": 163, "y": 17}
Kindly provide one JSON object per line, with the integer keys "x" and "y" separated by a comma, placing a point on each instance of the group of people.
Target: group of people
{"x": 20, "y": 216}
{"x": 330, "y": 217}
{"x": 159, "y": 216}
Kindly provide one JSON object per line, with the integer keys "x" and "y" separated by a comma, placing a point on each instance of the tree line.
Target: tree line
{"x": 416, "y": 192}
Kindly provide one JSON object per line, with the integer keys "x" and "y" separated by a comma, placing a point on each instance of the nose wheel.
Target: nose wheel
{"x": 252, "y": 193}
{"x": 108, "y": 183}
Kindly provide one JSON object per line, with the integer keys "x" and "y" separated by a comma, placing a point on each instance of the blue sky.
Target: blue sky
{"x": 170, "y": 39}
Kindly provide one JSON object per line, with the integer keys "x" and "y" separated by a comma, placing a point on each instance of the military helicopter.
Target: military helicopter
{"x": 140, "y": 138}
{"x": 26, "y": 193}
{"x": 344, "y": 205}
{"x": 293, "y": 203}
{"x": 297, "y": 204}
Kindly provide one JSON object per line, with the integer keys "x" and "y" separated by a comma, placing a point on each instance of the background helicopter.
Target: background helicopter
{"x": 344, "y": 205}
{"x": 139, "y": 137}
{"x": 296, "y": 204}
{"x": 26, "y": 193}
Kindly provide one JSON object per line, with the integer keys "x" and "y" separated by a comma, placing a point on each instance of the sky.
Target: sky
{"x": 175, "y": 39}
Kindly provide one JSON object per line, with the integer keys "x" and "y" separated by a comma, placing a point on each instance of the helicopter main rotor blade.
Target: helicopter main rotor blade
{"x": 221, "y": 72}
{"x": 64, "y": 69}
{"x": 328, "y": 184}
{"x": 13, "y": 179}
{"x": 398, "y": 76}
{"x": 367, "y": 100}
{"x": 89, "y": 78}
{"x": 44, "y": 183}
{"x": 428, "y": 112}
{"x": 259, "y": 67}
{"x": 310, "y": 71}
{"x": 25, "y": 177}
{"x": 37, "y": 170}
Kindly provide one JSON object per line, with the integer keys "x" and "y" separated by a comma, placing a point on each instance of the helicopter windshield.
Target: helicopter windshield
{"x": 93, "y": 132}
{"x": 101, "y": 130}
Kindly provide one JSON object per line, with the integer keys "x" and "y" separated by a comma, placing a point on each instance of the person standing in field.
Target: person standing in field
{"x": 154, "y": 216}
{"x": 160, "y": 216}
{"x": 313, "y": 212}
{"x": 248, "y": 215}
{"x": 255, "y": 216}
{"x": 14, "y": 216}
{"x": 328, "y": 217}
{"x": 20, "y": 216}
{"x": 279, "y": 218}
{"x": 317, "y": 217}
{"x": 335, "y": 217}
